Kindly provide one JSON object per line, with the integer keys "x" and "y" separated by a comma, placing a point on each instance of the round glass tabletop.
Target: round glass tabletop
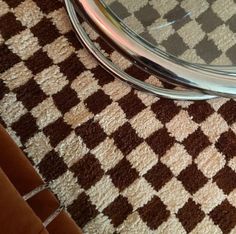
{"x": 184, "y": 42}
{"x": 202, "y": 31}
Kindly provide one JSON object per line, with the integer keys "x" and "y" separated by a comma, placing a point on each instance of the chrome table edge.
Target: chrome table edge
{"x": 109, "y": 66}
{"x": 172, "y": 71}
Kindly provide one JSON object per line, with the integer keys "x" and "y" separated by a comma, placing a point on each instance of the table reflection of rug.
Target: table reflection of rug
{"x": 201, "y": 31}
{"x": 121, "y": 161}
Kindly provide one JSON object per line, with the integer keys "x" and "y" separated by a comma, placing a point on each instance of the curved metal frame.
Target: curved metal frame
{"x": 107, "y": 64}
{"x": 215, "y": 82}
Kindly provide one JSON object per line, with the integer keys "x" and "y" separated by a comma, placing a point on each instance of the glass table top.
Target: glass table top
{"x": 196, "y": 31}
{"x": 187, "y": 43}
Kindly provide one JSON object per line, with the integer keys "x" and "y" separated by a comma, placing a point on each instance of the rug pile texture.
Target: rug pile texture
{"x": 121, "y": 161}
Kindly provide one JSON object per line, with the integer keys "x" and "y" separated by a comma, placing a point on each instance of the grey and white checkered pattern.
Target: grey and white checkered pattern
{"x": 198, "y": 31}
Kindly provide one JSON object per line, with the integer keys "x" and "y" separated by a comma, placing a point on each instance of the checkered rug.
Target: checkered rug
{"x": 199, "y": 31}
{"x": 121, "y": 161}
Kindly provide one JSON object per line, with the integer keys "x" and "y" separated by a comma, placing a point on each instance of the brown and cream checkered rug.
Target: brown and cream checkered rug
{"x": 121, "y": 161}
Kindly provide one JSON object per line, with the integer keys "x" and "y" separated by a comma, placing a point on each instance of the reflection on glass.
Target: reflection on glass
{"x": 194, "y": 31}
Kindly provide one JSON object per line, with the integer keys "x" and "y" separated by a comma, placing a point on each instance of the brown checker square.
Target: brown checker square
{"x": 209, "y": 54}
{"x": 3, "y": 89}
{"x": 30, "y": 94}
{"x": 181, "y": 23}
{"x": 48, "y": 5}
{"x": 228, "y": 111}
{"x": 82, "y": 210}
{"x": 126, "y": 138}
{"x": 10, "y": 26}
{"x": 118, "y": 210}
{"x": 232, "y": 23}
{"x": 231, "y": 54}
{"x": 122, "y": 13}
{"x": 38, "y": 62}
{"x": 227, "y": 144}
{"x": 45, "y": 31}
{"x": 131, "y": 104}
{"x": 192, "y": 178}
{"x": 25, "y": 127}
{"x": 73, "y": 40}
{"x": 154, "y": 213}
{"x": 226, "y": 179}
{"x": 160, "y": 141}
{"x": 7, "y": 58}
{"x": 165, "y": 110}
{"x": 150, "y": 15}
{"x": 172, "y": 41}
{"x": 123, "y": 174}
{"x": 224, "y": 216}
{"x": 200, "y": 110}
{"x": 137, "y": 73}
{"x": 57, "y": 131}
{"x": 52, "y": 166}
{"x": 104, "y": 45}
{"x": 196, "y": 143}
{"x": 65, "y": 99}
{"x": 91, "y": 133}
{"x": 158, "y": 175}
{"x": 209, "y": 25}
{"x": 176, "y": 13}
{"x": 88, "y": 171}
{"x": 148, "y": 37}
{"x": 102, "y": 75}
{"x": 13, "y": 3}
{"x": 190, "y": 215}
{"x": 97, "y": 101}
{"x": 71, "y": 67}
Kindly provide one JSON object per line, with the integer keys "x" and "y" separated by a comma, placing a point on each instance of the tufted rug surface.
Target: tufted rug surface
{"x": 121, "y": 161}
